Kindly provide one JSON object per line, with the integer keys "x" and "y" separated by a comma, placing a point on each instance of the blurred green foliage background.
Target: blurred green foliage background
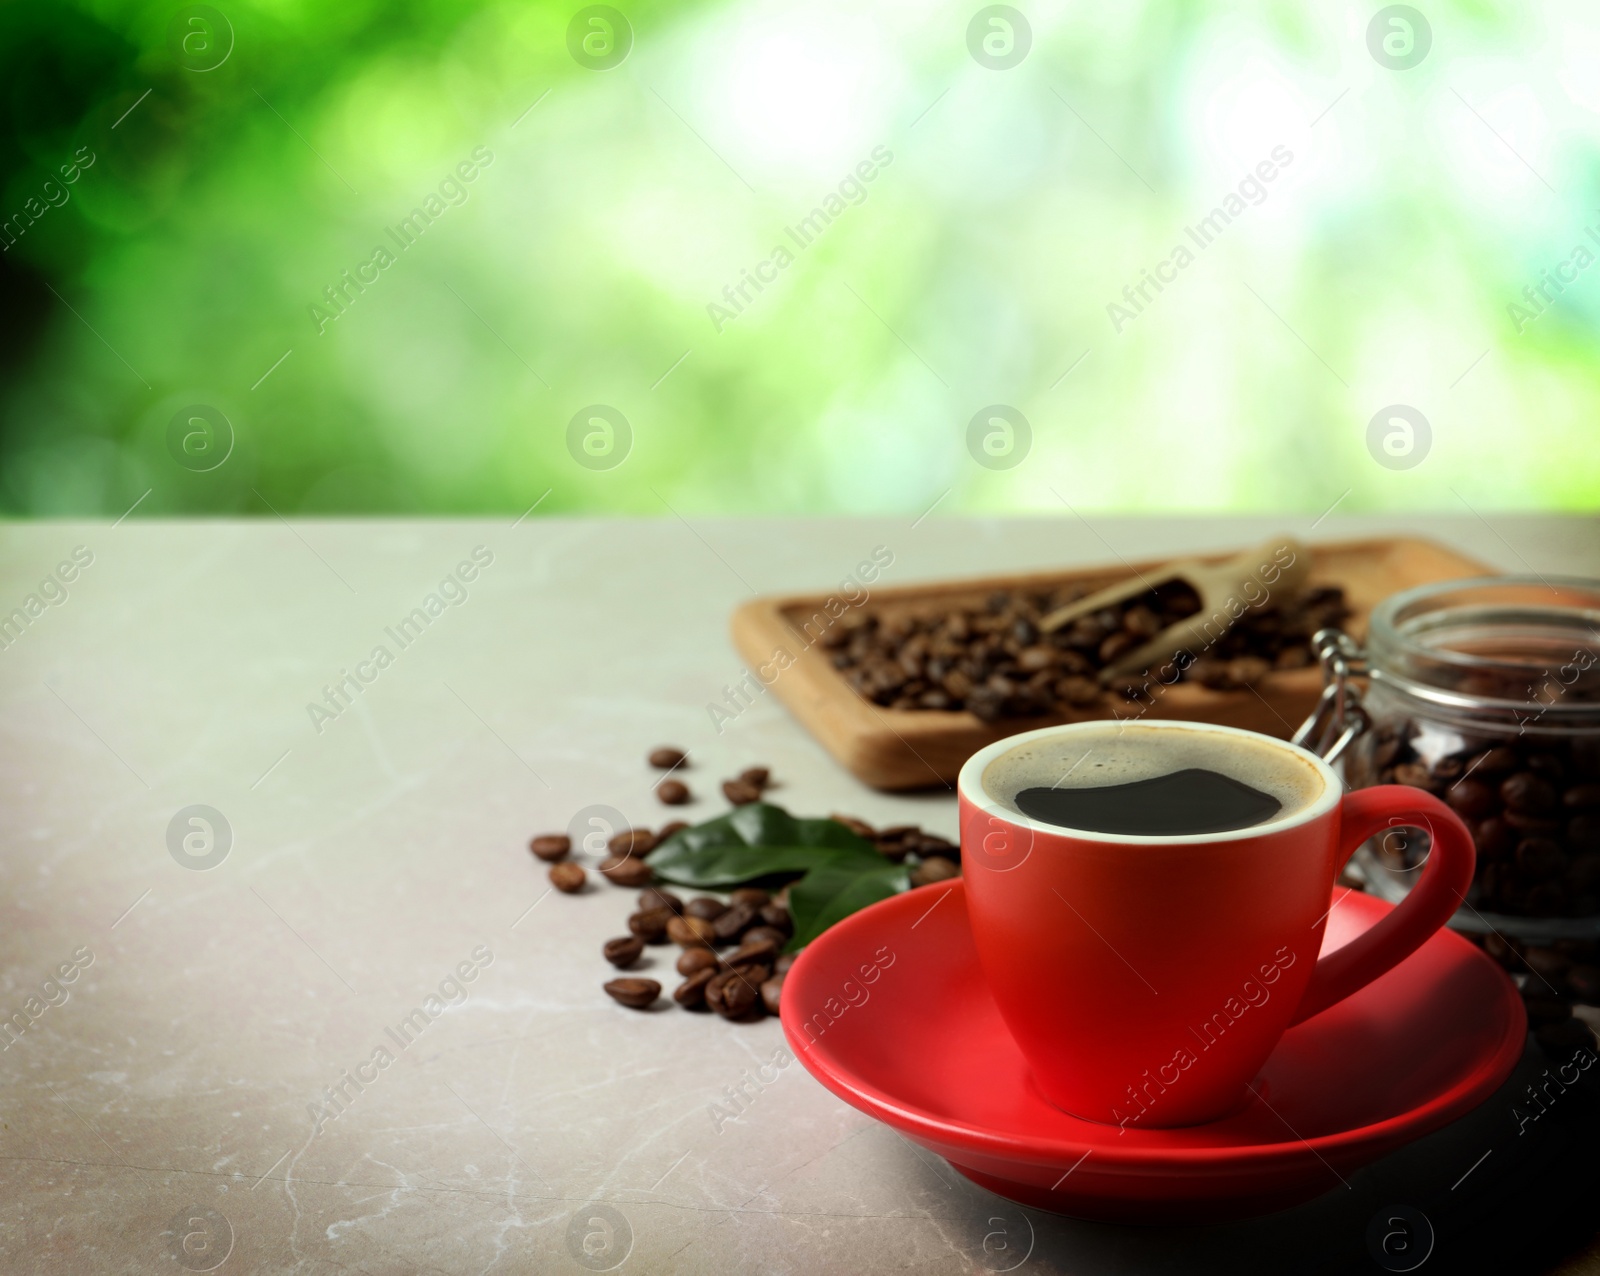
{"x": 978, "y": 267}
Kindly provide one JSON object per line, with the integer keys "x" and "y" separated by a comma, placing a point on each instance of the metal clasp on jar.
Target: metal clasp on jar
{"x": 1339, "y": 716}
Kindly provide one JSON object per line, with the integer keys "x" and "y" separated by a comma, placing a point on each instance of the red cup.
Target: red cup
{"x": 1147, "y": 978}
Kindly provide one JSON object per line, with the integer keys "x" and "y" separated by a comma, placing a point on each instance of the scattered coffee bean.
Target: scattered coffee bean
{"x": 740, "y": 793}
{"x": 697, "y": 959}
{"x": 771, "y": 934}
{"x": 650, "y": 925}
{"x": 666, "y": 757}
{"x": 568, "y": 877}
{"x": 690, "y": 932}
{"x": 771, "y": 993}
{"x": 705, "y": 906}
{"x": 636, "y": 994}
{"x": 673, "y": 792}
{"x": 691, "y": 993}
{"x": 763, "y": 950}
{"x": 734, "y": 922}
{"x": 934, "y": 869}
{"x": 731, "y": 995}
{"x": 752, "y": 895}
{"x": 632, "y": 842}
{"x": 654, "y": 897}
{"x": 551, "y": 846}
{"x": 777, "y": 917}
{"x": 859, "y": 827}
{"x": 757, "y": 777}
{"x": 624, "y": 951}
{"x": 785, "y": 960}
{"x": 667, "y": 830}
{"x": 626, "y": 870}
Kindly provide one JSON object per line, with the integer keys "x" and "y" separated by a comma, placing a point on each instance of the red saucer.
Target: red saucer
{"x": 889, "y": 1010}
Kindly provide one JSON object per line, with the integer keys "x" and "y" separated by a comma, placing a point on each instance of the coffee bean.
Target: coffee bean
{"x": 691, "y": 993}
{"x": 1581, "y": 797}
{"x": 551, "y": 846}
{"x": 740, "y": 793}
{"x": 626, "y": 871}
{"x": 1528, "y": 794}
{"x": 670, "y": 829}
{"x": 690, "y": 932}
{"x": 705, "y": 906}
{"x": 777, "y": 917}
{"x": 732, "y": 995}
{"x": 650, "y": 925}
{"x": 1540, "y": 857}
{"x": 752, "y": 951}
{"x": 1494, "y": 838}
{"x": 636, "y": 994}
{"x": 757, "y": 777}
{"x": 697, "y": 959}
{"x": 1495, "y": 761}
{"x": 772, "y": 993}
{"x": 654, "y": 897}
{"x": 752, "y": 895}
{"x": 1472, "y": 798}
{"x": 756, "y": 933}
{"x": 632, "y": 842}
{"x": 785, "y": 960}
{"x": 733, "y": 922}
{"x": 934, "y": 869}
{"x": 666, "y": 757}
{"x": 859, "y": 827}
{"x": 624, "y": 951}
{"x": 568, "y": 877}
{"x": 673, "y": 792}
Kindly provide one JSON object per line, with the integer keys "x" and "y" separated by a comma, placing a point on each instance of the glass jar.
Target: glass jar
{"x": 1485, "y": 692}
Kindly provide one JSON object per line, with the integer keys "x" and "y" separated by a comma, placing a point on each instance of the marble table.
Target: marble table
{"x": 169, "y": 1094}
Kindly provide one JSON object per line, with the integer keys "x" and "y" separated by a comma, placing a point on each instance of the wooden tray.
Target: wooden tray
{"x": 910, "y": 749}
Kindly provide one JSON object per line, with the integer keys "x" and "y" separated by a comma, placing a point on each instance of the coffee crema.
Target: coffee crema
{"x": 1146, "y": 781}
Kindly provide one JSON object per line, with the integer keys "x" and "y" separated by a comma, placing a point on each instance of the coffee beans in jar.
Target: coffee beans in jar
{"x": 1486, "y": 693}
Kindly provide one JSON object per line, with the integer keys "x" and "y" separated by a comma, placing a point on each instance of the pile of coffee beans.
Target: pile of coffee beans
{"x": 992, "y": 659}
{"x": 1552, "y": 980}
{"x": 743, "y": 984}
{"x": 1531, "y": 801}
{"x": 746, "y": 983}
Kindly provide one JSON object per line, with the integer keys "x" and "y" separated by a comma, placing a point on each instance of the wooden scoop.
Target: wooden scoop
{"x": 1273, "y": 570}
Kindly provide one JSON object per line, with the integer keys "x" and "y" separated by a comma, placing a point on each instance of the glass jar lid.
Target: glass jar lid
{"x": 1518, "y": 650}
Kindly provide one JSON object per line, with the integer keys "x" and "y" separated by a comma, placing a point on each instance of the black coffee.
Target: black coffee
{"x": 1193, "y": 800}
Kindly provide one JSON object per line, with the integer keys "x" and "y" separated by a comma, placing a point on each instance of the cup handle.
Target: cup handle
{"x": 1429, "y": 905}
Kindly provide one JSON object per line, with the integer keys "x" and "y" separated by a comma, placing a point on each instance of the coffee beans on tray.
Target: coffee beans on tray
{"x": 993, "y": 661}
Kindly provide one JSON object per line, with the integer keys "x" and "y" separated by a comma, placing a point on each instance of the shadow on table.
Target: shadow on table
{"x": 1511, "y": 1188}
